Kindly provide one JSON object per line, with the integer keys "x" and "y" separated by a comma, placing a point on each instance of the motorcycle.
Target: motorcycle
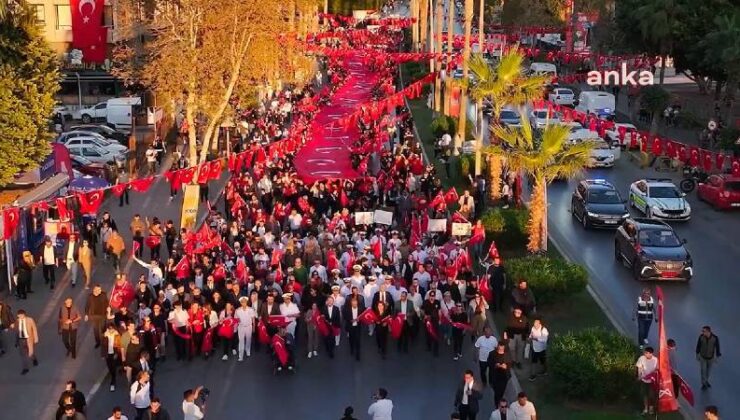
{"x": 691, "y": 177}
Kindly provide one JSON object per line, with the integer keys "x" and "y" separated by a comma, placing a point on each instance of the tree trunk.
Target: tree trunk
{"x": 479, "y": 139}
{"x": 463, "y": 118}
{"x": 495, "y": 166}
{"x": 450, "y": 39}
{"x": 424, "y": 24}
{"x": 654, "y": 124}
{"x": 662, "y": 70}
{"x": 414, "y": 10}
{"x": 438, "y": 62}
{"x": 481, "y": 28}
{"x": 537, "y": 215}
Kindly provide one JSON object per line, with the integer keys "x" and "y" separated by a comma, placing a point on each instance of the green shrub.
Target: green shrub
{"x": 440, "y": 126}
{"x": 595, "y": 365}
{"x": 508, "y": 227}
{"x": 465, "y": 165}
{"x": 727, "y": 138}
{"x": 551, "y": 279}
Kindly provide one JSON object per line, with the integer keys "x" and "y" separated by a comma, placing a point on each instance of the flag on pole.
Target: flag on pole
{"x": 666, "y": 400}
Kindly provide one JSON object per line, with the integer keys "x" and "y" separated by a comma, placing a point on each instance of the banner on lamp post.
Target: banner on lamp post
{"x": 190, "y": 202}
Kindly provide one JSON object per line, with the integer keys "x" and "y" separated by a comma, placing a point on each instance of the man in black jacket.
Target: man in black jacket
{"x": 331, "y": 314}
{"x": 352, "y": 311}
{"x": 6, "y": 320}
{"x": 707, "y": 352}
{"x": 96, "y": 312}
{"x": 467, "y": 396}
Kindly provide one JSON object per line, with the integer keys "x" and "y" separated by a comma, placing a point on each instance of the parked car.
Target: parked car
{"x": 103, "y": 130}
{"x": 578, "y": 134}
{"x": 87, "y": 167}
{"x": 64, "y": 112}
{"x": 612, "y": 134}
{"x": 510, "y": 118}
{"x": 96, "y": 112}
{"x": 653, "y": 251}
{"x": 91, "y": 139}
{"x": 96, "y": 154}
{"x": 721, "y": 191}
{"x": 597, "y": 203}
{"x": 660, "y": 199}
{"x": 539, "y": 118}
{"x": 562, "y": 96}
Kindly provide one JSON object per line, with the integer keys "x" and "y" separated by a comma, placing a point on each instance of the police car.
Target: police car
{"x": 659, "y": 199}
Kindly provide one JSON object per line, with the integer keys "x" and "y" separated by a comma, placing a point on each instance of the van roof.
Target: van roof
{"x": 542, "y": 65}
{"x": 125, "y": 101}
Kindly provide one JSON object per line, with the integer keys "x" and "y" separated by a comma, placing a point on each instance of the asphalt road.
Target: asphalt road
{"x": 709, "y": 299}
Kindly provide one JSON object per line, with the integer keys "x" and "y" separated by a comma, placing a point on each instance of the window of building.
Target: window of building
{"x": 108, "y": 16}
{"x": 40, "y": 13}
{"x": 64, "y": 17}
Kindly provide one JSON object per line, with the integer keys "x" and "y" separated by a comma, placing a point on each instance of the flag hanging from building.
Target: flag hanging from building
{"x": 88, "y": 32}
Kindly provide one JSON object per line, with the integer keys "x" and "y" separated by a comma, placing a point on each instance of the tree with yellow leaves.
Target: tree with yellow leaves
{"x": 205, "y": 57}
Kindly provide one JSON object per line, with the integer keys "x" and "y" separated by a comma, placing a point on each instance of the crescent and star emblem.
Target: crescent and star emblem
{"x": 86, "y": 18}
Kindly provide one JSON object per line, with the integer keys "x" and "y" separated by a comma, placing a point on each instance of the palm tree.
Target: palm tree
{"x": 544, "y": 159}
{"x": 463, "y": 117}
{"x": 502, "y": 84}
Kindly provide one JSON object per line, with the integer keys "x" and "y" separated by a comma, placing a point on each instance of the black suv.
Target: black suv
{"x": 596, "y": 203}
{"x": 653, "y": 250}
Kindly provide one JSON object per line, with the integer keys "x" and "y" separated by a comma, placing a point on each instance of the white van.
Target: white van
{"x": 601, "y": 104}
{"x": 121, "y": 112}
{"x": 541, "y": 69}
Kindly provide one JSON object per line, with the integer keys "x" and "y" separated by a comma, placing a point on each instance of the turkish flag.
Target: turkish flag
{"x": 377, "y": 248}
{"x": 439, "y": 199}
{"x": 321, "y": 325}
{"x": 90, "y": 202}
{"x": 182, "y": 269}
{"x": 64, "y": 213}
{"x": 708, "y": 161}
{"x": 368, "y": 317}
{"x": 278, "y": 321}
{"x": 204, "y": 173}
{"x": 11, "y": 217}
{"x": 331, "y": 260}
{"x": 685, "y": 389}
{"x": 276, "y": 257}
{"x": 142, "y": 184}
{"x": 97, "y": 51}
{"x": 431, "y": 329}
{"x": 242, "y": 272}
{"x": 720, "y": 159}
{"x": 118, "y": 189}
{"x": 479, "y": 235}
{"x": 485, "y": 289}
{"x": 122, "y": 295}
{"x": 186, "y": 175}
{"x": 694, "y": 157}
{"x": 174, "y": 178}
{"x": 657, "y": 147}
{"x": 666, "y": 400}
{"x": 451, "y": 196}
{"x": 214, "y": 169}
{"x": 135, "y": 248}
{"x": 204, "y": 233}
{"x": 736, "y": 167}
{"x": 278, "y": 345}
{"x": 152, "y": 241}
{"x": 219, "y": 274}
{"x": 262, "y": 334}
{"x": 396, "y": 325}
{"x": 87, "y": 20}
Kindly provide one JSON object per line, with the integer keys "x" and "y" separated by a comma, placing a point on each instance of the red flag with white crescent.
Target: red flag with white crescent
{"x": 262, "y": 334}
{"x": 11, "y": 217}
{"x": 331, "y": 260}
{"x": 685, "y": 389}
{"x": 90, "y": 202}
{"x": 142, "y": 185}
{"x": 278, "y": 345}
{"x": 478, "y": 235}
{"x": 368, "y": 317}
{"x": 485, "y": 288}
{"x": 182, "y": 269}
{"x": 321, "y": 325}
{"x": 666, "y": 400}
{"x": 377, "y": 248}
{"x": 118, "y": 189}
{"x": 431, "y": 329}
{"x": 278, "y": 321}
{"x": 396, "y": 325}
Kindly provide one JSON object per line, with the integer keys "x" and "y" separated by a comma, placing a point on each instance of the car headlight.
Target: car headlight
{"x": 626, "y": 215}
{"x": 687, "y": 209}
{"x": 657, "y": 209}
{"x": 590, "y": 214}
{"x": 610, "y": 157}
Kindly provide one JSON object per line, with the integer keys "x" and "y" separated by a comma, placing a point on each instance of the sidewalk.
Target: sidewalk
{"x": 34, "y": 396}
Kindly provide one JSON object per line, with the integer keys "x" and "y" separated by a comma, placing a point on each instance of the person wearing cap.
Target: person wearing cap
{"x": 357, "y": 278}
{"x": 246, "y": 317}
{"x": 290, "y": 311}
{"x": 346, "y": 288}
{"x": 336, "y": 294}
{"x": 362, "y": 243}
{"x": 419, "y": 254}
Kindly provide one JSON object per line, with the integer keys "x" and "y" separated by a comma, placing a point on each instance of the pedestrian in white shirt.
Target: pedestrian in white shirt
{"x": 538, "y": 336}
{"x": 521, "y": 409}
{"x": 190, "y": 410}
{"x": 382, "y": 408}
{"x": 485, "y": 344}
{"x": 646, "y": 365}
{"x": 117, "y": 414}
{"x": 140, "y": 394}
{"x": 246, "y": 316}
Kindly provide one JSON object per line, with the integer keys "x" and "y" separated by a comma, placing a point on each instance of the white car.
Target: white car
{"x": 96, "y": 154}
{"x": 612, "y": 134}
{"x": 95, "y": 112}
{"x": 91, "y": 139}
{"x": 659, "y": 199}
{"x": 602, "y": 155}
{"x": 578, "y": 134}
{"x": 541, "y": 118}
{"x": 562, "y": 96}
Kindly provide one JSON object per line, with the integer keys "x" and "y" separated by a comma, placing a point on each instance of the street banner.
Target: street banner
{"x": 437, "y": 225}
{"x": 383, "y": 217}
{"x": 461, "y": 229}
{"x": 190, "y": 203}
{"x": 666, "y": 400}
{"x": 364, "y": 218}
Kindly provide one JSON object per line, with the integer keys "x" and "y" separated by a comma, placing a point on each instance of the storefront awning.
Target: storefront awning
{"x": 45, "y": 190}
